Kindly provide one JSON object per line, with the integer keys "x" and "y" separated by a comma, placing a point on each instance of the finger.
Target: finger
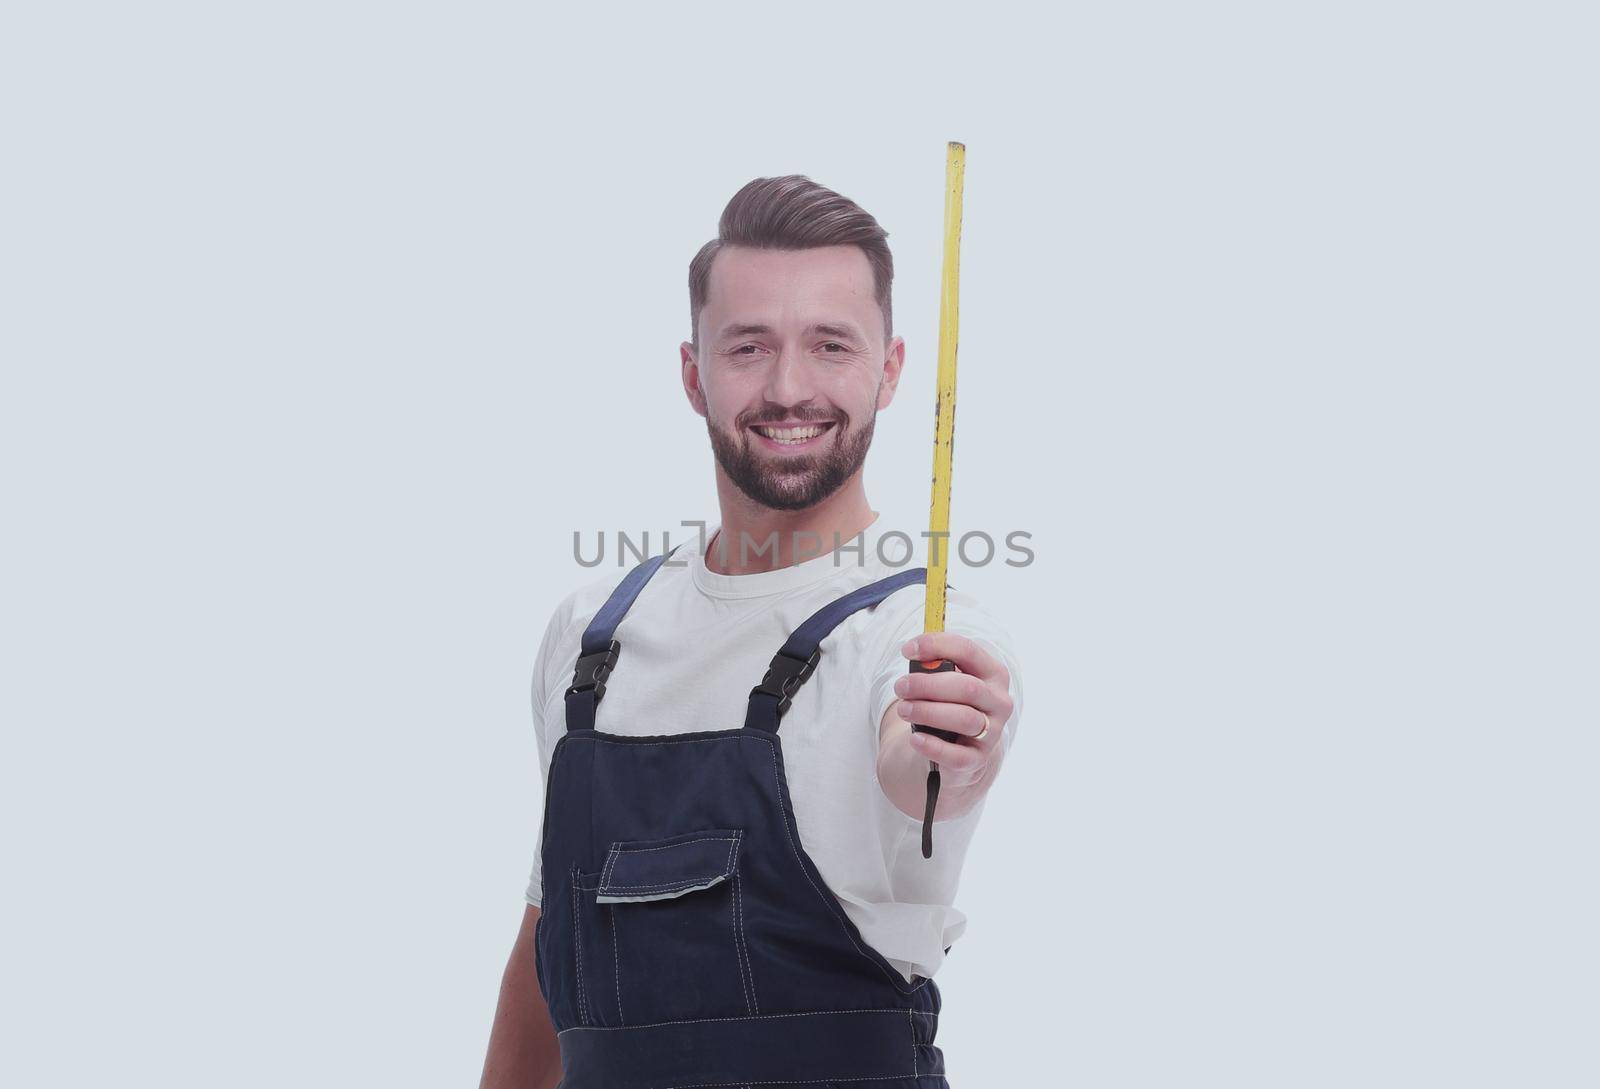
{"x": 960, "y": 756}
{"x": 965, "y": 720}
{"x": 967, "y": 688}
{"x": 968, "y": 656}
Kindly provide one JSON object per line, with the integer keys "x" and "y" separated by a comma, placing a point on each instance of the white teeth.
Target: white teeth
{"x": 791, "y": 435}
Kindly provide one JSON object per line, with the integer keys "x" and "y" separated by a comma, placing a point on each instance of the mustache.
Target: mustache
{"x": 778, "y": 414}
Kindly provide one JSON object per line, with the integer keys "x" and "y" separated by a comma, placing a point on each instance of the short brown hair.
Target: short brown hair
{"x": 793, "y": 213}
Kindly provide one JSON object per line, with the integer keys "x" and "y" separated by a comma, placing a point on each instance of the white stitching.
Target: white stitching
{"x": 738, "y": 962}
{"x": 913, "y": 1026}
{"x": 737, "y": 959}
{"x": 617, "y": 850}
{"x": 674, "y": 883}
{"x": 740, "y": 945}
{"x": 616, "y": 963}
{"x": 738, "y": 953}
{"x": 577, "y": 949}
{"x": 754, "y": 1017}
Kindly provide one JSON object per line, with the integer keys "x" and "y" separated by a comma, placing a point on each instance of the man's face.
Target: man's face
{"x": 791, "y": 371}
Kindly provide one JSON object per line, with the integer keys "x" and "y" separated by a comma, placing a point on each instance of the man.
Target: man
{"x": 725, "y": 903}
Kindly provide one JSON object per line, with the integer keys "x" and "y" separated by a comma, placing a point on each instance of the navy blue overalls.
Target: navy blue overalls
{"x": 686, "y": 938}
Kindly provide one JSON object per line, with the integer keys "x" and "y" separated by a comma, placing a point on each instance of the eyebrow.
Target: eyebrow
{"x": 826, "y": 328}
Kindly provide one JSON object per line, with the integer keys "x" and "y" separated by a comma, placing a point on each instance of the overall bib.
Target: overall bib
{"x": 686, "y": 939}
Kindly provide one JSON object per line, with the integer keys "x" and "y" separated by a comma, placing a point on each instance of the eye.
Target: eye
{"x": 835, "y": 344}
{"x": 740, "y": 350}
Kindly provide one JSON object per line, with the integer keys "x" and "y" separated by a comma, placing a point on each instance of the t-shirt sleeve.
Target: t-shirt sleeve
{"x": 548, "y": 658}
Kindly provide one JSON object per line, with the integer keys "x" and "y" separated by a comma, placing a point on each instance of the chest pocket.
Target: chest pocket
{"x": 661, "y": 933}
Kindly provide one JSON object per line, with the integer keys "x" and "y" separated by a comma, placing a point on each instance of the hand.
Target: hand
{"x": 966, "y": 702}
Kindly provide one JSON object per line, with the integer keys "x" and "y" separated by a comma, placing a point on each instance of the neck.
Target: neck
{"x": 782, "y": 538}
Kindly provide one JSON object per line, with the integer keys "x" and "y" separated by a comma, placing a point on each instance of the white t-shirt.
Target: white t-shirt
{"x": 694, "y": 644}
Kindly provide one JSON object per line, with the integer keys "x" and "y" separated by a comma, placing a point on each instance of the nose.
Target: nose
{"x": 788, "y": 382}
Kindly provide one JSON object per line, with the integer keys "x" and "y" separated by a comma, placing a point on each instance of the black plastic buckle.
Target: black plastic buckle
{"x": 593, "y": 669}
{"x": 785, "y": 676}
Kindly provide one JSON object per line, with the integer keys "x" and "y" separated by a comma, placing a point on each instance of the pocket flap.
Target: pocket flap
{"x": 659, "y": 869}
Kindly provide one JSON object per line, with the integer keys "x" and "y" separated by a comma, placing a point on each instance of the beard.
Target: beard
{"x": 793, "y": 482}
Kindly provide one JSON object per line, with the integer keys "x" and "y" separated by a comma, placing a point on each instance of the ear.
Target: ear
{"x": 691, "y": 378}
{"x": 893, "y": 361}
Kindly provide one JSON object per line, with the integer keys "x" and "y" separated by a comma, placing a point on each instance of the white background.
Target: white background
{"x": 325, "y": 325}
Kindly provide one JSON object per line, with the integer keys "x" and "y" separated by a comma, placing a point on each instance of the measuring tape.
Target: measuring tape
{"x": 944, "y": 435}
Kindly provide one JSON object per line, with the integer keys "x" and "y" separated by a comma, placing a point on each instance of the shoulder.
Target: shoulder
{"x": 577, "y": 608}
{"x": 580, "y": 605}
{"x": 876, "y": 635}
{"x": 563, "y": 631}
{"x": 902, "y": 615}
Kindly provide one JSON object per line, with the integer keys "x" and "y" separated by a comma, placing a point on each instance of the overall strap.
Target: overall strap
{"x": 597, "y": 656}
{"x": 797, "y": 659}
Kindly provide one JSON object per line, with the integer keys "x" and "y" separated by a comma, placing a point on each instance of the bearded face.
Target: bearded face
{"x": 791, "y": 370}
{"x": 791, "y": 459}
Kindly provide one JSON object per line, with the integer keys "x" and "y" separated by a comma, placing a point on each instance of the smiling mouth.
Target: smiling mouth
{"x": 792, "y": 436}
